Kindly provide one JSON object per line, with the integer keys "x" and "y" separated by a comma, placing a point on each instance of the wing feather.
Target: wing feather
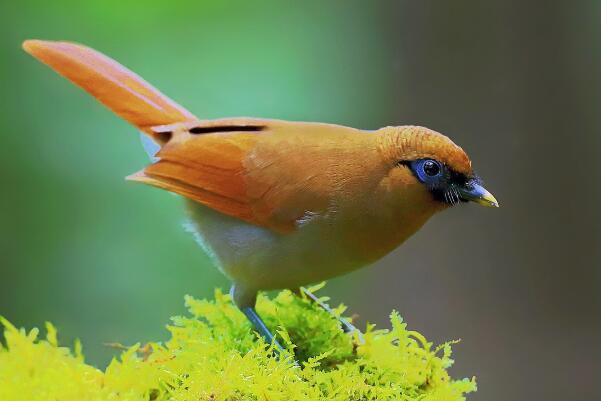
{"x": 208, "y": 169}
{"x": 263, "y": 177}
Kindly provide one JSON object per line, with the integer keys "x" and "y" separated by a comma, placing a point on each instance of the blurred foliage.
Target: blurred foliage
{"x": 215, "y": 355}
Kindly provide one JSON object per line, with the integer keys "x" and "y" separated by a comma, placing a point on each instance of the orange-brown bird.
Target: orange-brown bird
{"x": 280, "y": 204}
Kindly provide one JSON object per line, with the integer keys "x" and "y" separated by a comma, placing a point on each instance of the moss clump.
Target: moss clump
{"x": 215, "y": 355}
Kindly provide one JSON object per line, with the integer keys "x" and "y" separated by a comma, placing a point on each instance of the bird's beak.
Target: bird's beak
{"x": 477, "y": 193}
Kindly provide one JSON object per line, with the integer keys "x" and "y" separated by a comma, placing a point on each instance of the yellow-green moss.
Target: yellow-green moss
{"x": 215, "y": 355}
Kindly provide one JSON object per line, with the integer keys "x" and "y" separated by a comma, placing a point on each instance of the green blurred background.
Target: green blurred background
{"x": 516, "y": 83}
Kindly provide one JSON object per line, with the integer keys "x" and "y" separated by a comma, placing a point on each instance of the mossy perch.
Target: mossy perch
{"x": 215, "y": 355}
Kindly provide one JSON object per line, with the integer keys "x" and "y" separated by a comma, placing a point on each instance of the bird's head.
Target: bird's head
{"x": 425, "y": 164}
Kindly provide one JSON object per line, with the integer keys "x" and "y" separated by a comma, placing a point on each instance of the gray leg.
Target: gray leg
{"x": 245, "y": 299}
{"x": 346, "y": 326}
{"x": 256, "y": 320}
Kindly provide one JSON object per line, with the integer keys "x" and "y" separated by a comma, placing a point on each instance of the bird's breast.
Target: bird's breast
{"x": 323, "y": 246}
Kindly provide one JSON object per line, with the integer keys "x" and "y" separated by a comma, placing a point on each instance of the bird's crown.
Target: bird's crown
{"x": 409, "y": 142}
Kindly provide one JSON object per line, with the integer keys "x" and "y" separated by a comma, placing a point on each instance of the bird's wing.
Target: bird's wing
{"x": 254, "y": 170}
{"x": 118, "y": 88}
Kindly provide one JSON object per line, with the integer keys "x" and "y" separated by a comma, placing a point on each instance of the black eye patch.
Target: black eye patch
{"x": 441, "y": 181}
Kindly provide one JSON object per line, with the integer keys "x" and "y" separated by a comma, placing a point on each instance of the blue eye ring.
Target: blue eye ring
{"x": 428, "y": 171}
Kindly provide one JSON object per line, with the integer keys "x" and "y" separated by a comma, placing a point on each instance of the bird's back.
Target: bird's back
{"x": 270, "y": 173}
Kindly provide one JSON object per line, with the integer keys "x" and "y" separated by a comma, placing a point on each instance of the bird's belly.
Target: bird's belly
{"x": 262, "y": 259}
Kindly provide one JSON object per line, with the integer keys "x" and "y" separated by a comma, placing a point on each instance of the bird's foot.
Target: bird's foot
{"x": 347, "y": 326}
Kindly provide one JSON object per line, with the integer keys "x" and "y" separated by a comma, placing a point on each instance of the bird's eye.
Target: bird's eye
{"x": 429, "y": 171}
{"x": 431, "y": 168}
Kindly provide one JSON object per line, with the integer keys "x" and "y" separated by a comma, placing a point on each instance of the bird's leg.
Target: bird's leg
{"x": 260, "y": 326}
{"x": 347, "y": 326}
{"x": 245, "y": 300}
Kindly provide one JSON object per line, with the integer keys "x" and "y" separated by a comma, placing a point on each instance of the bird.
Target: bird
{"x": 279, "y": 204}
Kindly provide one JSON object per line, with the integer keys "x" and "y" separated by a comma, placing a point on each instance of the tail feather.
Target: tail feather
{"x": 118, "y": 88}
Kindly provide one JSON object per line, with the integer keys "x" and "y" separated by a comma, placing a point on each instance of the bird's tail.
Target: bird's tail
{"x": 118, "y": 88}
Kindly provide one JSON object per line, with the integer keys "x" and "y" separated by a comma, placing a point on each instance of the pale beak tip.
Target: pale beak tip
{"x": 488, "y": 200}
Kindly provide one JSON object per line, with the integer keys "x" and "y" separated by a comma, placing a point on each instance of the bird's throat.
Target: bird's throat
{"x": 372, "y": 236}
